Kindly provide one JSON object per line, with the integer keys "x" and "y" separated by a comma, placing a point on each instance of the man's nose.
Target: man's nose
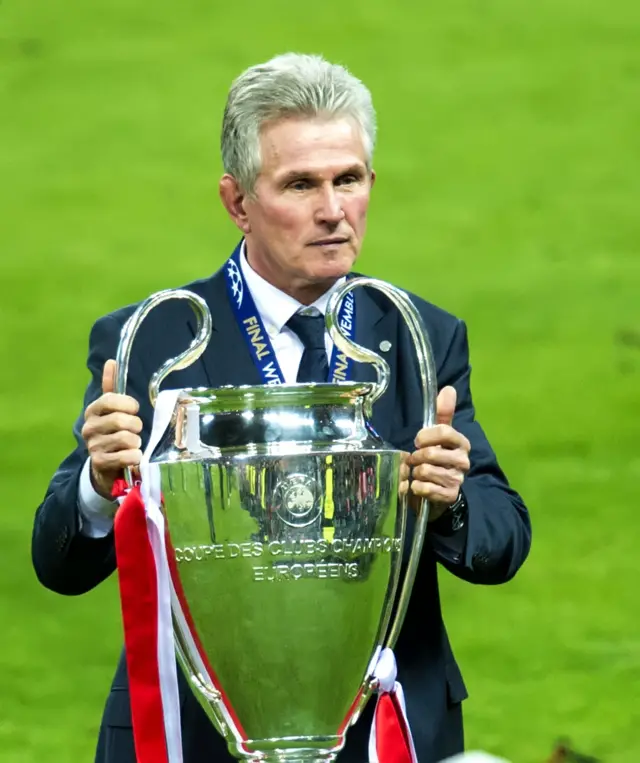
{"x": 330, "y": 207}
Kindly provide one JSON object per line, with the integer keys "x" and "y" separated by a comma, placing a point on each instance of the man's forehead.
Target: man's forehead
{"x": 311, "y": 145}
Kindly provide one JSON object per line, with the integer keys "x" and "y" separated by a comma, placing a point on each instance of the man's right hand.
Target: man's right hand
{"x": 111, "y": 432}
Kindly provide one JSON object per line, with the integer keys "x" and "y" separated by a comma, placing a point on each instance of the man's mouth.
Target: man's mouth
{"x": 330, "y": 241}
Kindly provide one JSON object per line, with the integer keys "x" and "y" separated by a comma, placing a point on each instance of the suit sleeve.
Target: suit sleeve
{"x": 495, "y": 539}
{"x": 65, "y": 560}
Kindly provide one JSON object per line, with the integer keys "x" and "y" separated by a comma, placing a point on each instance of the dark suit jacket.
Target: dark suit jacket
{"x": 488, "y": 550}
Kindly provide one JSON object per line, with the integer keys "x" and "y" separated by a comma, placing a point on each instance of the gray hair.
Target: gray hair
{"x": 289, "y": 85}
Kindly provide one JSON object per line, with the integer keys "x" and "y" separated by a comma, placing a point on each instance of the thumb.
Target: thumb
{"x": 109, "y": 376}
{"x": 446, "y": 405}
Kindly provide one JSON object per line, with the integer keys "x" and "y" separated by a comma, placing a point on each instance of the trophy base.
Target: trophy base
{"x": 275, "y": 751}
{"x": 279, "y": 758}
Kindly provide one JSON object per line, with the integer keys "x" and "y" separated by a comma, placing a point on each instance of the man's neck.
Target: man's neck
{"x": 304, "y": 292}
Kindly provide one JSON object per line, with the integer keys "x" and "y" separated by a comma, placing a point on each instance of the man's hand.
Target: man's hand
{"x": 111, "y": 432}
{"x": 441, "y": 460}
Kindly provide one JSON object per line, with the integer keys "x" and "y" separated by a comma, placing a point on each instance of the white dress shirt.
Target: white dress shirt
{"x": 275, "y": 308}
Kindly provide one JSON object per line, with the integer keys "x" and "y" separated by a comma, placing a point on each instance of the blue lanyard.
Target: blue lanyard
{"x": 257, "y": 339}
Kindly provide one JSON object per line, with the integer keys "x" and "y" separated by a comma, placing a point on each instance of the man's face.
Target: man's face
{"x": 305, "y": 224}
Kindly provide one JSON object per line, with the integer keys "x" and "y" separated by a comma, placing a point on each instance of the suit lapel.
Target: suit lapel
{"x": 227, "y": 359}
{"x": 376, "y": 329}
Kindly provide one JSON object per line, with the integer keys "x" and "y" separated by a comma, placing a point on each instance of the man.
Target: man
{"x": 297, "y": 145}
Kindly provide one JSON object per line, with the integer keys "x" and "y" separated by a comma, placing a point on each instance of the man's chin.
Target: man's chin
{"x": 329, "y": 276}
{"x": 334, "y": 267}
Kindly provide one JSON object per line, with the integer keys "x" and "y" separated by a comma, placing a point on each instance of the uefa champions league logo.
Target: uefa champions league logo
{"x": 298, "y": 500}
{"x": 235, "y": 281}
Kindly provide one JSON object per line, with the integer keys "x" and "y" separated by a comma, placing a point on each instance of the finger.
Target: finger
{"x": 451, "y": 459}
{"x": 113, "y": 462}
{"x": 438, "y": 475}
{"x": 446, "y": 405}
{"x": 443, "y": 435}
{"x": 435, "y": 493}
{"x": 110, "y": 402}
{"x": 110, "y": 423}
{"x": 109, "y": 376}
{"x": 112, "y": 443}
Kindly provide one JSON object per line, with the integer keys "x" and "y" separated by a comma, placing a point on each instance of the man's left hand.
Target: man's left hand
{"x": 441, "y": 460}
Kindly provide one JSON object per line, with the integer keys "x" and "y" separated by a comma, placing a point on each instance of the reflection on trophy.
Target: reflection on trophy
{"x": 285, "y": 531}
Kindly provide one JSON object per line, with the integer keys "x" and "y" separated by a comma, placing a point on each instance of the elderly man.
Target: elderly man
{"x": 297, "y": 146}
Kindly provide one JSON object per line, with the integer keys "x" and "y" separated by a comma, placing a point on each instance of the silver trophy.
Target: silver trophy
{"x": 287, "y": 528}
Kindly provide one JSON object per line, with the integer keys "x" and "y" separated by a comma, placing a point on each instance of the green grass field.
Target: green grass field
{"x": 508, "y": 192}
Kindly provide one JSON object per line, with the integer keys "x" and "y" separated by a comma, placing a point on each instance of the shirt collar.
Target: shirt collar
{"x": 276, "y": 307}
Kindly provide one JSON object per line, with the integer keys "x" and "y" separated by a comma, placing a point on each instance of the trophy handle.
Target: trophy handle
{"x": 427, "y": 369}
{"x": 184, "y": 360}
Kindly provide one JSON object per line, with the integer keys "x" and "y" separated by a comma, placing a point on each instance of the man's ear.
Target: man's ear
{"x": 233, "y": 199}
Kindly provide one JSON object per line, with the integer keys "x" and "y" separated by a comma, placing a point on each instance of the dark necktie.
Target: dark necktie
{"x": 314, "y": 365}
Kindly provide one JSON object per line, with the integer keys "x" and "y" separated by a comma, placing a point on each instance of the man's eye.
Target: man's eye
{"x": 347, "y": 180}
{"x": 299, "y": 185}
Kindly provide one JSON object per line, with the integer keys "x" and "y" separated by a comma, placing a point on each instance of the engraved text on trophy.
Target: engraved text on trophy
{"x": 296, "y": 560}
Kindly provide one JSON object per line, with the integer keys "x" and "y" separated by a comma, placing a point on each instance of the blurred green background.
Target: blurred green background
{"x": 508, "y": 191}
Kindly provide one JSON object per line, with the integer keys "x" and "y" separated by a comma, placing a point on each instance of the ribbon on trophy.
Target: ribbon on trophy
{"x": 390, "y": 739}
{"x": 145, "y": 596}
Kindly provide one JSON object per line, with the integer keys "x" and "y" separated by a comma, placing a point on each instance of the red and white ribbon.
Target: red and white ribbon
{"x": 390, "y": 739}
{"x": 145, "y": 594}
